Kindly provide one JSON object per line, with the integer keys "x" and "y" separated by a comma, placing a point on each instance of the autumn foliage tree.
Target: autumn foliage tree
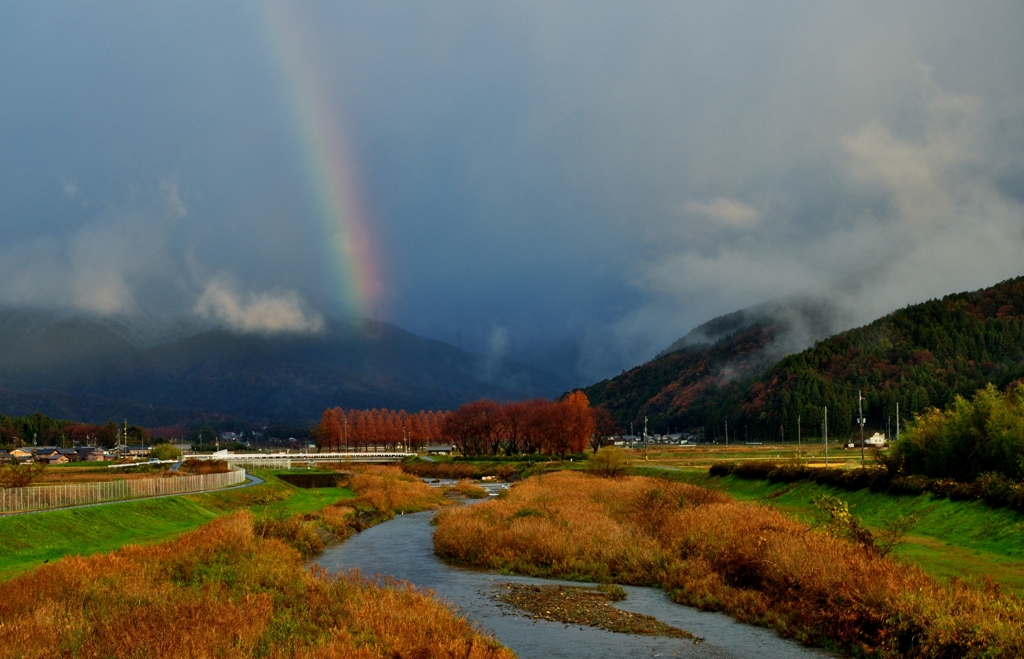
{"x": 355, "y": 430}
{"x": 484, "y": 427}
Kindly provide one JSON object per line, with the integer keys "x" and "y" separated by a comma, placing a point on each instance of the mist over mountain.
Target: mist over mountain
{"x": 736, "y": 369}
{"x": 688, "y": 381}
{"x": 92, "y": 368}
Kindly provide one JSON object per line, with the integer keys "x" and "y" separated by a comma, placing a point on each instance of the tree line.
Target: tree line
{"x": 377, "y": 428}
{"x": 971, "y": 437}
{"x": 559, "y": 427}
{"x": 42, "y": 430}
{"x": 482, "y": 427}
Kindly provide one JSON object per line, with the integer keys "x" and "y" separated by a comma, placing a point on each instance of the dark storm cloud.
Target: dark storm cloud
{"x": 577, "y": 182}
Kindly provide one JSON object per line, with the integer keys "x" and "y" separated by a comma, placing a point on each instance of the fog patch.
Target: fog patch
{"x": 257, "y": 313}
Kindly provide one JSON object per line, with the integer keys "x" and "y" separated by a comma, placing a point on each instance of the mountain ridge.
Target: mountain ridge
{"x": 256, "y": 377}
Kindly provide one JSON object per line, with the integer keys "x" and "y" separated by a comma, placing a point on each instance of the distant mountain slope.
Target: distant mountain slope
{"x": 921, "y": 356}
{"x": 256, "y": 377}
{"x": 689, "y": 381}
{"x": 96, "y": 409}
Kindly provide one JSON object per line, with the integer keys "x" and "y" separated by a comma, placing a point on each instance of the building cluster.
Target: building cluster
{"x": 56, "y": 455}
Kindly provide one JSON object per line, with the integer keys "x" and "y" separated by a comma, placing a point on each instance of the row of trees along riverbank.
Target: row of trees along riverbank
{"x": 360, "y": 429}
{"x": 482, "y": 427}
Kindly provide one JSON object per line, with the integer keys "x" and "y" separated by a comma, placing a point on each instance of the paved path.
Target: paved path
{"x": 250, "y": 480}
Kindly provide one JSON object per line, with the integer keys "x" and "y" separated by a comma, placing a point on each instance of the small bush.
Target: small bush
{"x": 613, "y": 592}
{"x": 194, "y": 466}
{"x": 165, "y": 452}
{"x": 608, "y": 462}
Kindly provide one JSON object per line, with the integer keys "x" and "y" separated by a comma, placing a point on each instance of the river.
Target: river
{"x": 403, "y": 548}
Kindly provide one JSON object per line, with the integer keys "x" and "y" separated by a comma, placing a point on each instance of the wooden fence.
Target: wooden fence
{"x": 45, "y": 497}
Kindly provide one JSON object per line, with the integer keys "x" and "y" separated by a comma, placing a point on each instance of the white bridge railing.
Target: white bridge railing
{"x": 285, "y": 460}
{"x": 46, "y": 497}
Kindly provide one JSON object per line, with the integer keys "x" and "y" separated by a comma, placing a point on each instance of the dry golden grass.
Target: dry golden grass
{"x": 467, "y": 489}
{"x": 388, "y": 490}
{"x": 223, "y": 591}
{"x": 710, "y": 551}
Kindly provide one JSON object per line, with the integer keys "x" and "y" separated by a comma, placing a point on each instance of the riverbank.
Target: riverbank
{"x": 315, "y": 515}
{"x": 27, "y": 541}
{"x": 238, "y": 586}
{"x": 755, "y": 563}
{"x": 223, "y": 590}
{"x": 951, "y": 539}
{"x": 403, "y": 547}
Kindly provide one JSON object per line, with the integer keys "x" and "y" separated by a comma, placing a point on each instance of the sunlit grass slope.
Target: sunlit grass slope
{"x": 223, "y": 591}
{"x": 30, "y": 540}
{"x": 965, "y": 539}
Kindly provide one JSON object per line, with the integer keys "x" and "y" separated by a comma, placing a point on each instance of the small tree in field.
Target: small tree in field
{"x": 165, "y": 452}
{"x": 604, "y": 427}
{"x": 14, "y": 474}
{"x": 608, "y": 462}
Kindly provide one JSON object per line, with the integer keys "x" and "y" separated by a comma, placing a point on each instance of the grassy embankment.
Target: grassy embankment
{"x": 757, "y": 564}
{"x": 237, "y": 587}
{"x": 963, "y": 539}
{"x": 27, "y": 541}
{"x": 226, "y": 591}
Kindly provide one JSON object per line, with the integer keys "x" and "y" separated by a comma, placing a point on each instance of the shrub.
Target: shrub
{"x": 165, "y": 452}
{"x": 194, "y": 466}
{"x": 14, "y": 474}
{"x": 608, "y": 462}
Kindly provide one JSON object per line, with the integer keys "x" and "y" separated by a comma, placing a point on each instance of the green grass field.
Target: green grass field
{"x": 29, "y": 540}
{"x": 964, "y": 539}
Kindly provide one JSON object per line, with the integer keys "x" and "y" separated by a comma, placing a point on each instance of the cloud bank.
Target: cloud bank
{"x": 594, "y": 178}
{"x": 257, "y": 313}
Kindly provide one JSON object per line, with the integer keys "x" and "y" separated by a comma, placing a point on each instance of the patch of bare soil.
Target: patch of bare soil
{"x": 576, "y": 605}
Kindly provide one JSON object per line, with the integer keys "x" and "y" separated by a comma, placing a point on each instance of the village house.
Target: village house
{"x": 22, "y": 454}
{"x": 137, "y": 450}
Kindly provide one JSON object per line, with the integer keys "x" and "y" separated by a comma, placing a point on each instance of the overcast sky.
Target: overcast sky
{"x": 530, "y": 173}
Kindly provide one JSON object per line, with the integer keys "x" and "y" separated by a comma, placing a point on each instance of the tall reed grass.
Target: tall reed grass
{"x": 223, "y": 591}
{"x": 388, "y": 490}
{"x": 751, "y": 561}
{"x": 381, "y": 493}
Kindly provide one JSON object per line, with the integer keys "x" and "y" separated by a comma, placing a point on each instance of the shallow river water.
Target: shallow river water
{"x": 403, "y": 548}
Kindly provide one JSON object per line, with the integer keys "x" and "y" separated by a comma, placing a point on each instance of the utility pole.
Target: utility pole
{"x": 645, "y": 438}
{"x": 897, "y": 421}
{"x": 727, "y": 433}
{"x": 860, "y": 415}
{"x": 825, "y": 434}
{"x": 798, "y": 438}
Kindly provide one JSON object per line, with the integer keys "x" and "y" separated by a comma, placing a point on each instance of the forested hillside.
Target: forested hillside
{"x": 921, "y": 356}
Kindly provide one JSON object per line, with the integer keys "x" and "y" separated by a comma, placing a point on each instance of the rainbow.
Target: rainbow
{"x": 331, "y": 173}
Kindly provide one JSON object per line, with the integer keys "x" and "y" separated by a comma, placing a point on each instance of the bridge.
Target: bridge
{"x": 285, "y": 460}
